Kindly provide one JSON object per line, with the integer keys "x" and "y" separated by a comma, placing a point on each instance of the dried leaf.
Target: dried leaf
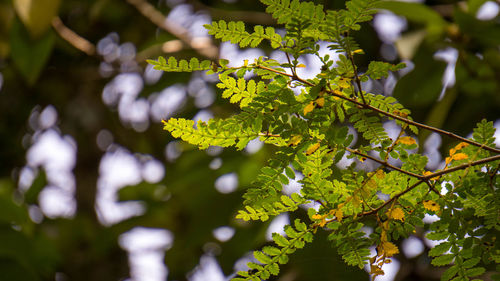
{"x": 389, "y": 249}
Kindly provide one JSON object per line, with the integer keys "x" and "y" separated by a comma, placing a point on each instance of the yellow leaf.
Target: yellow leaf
{"x": 344, "y": 83}
{"x": 320, "y": 102}
{"x": 301, "y": 65}
{"x": 459, "y": 156}
{"x": 426, "y": 173}
{"x": 431, "y": 205}
{"x": 389, "y": 249}
{"x": 452, "y": 151}
{"x": 317, "y": 217}
{"x": 312, "y": 148}
{"x": 372, "y": 184}
{"x": 339, "y": 214}
{"x": 407, "y": 140}
{"x": 396, "y": 214}
{"x": 402, "y": 114}
{"x": 308, "y": 108}
{"x": 245, "y": 62}
{"x": 296, "y": 139}
{"x": 380, "y": 174}
{"x": 358, "y": 51}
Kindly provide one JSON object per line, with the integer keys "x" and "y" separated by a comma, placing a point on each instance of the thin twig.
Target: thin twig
{"x": 205, "y": 48}
{"x": 392, "y": 199}
{"x": 384, "y": 163}
{"x": 356, "y": 78}
{"x": 72, "y": 38}
{"x": 249, "y": 17}
{"x": 463, "y": 166}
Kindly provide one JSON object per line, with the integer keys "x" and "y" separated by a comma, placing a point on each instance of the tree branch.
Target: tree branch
{"x": 388, "y": 114}
{"x": 251, "y": 17}
{"x": 463, "y": 166}
{"x": 72, "y": 38}
{"x": 385, "y": 163}
{"x": 204, "y": 47}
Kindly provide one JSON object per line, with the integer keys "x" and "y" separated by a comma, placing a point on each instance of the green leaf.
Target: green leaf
{"x": 475, "y": 271}
{"x": 280, "y": 240}
{"x": 471, "y": 262}
{"x": 274, "y": 268}
{"x": 30, "y": 55}
{"x": 450, "y": 273}
{"x": 261, "y": 257}
{"x": 436, "y": 236}
{"x": 443, "y": 260}
{"x": 271, "y": 251}
{"x": 439, "y": 249}
{"x": 289, "y": 172}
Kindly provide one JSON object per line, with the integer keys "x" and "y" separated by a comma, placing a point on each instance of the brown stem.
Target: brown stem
{"x": 204, "y": 48}
{"x": 463, "y": 166}
{"x": 356, "y": 78}
{"x": 384, "y": 163}
{"x": 392, "y": 199}
{"x": 72, "y": 38}
{"x": 250, "y": 17}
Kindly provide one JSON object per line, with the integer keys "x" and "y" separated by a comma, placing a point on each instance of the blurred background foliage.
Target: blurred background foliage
{"x": 66, "y": 68}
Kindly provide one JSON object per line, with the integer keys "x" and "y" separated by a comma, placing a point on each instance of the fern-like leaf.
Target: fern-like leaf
{"x": 236, "y": 33}
{"x": 223, "y": 133}
{"x": 172, "y": 65}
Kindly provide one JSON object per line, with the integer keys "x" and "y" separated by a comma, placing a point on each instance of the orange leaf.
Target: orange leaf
{"x": 380, "y": 174}
{"x": 407, "y": 140}
{"x": 448, "y": 160}
{"x": 461, "y": 145}
{"x": 459, "y": 156}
